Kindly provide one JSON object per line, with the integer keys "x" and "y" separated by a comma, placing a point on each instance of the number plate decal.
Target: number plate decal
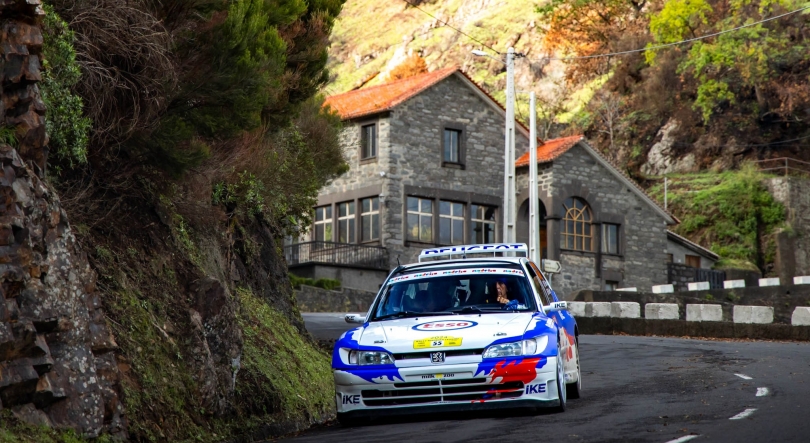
{"x": 437, "y": 342}
{"x": 437, "y": 357}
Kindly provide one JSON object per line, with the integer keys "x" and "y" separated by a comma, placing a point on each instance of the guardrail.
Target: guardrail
{"x": 787, "y": 166}
{"x": 331, "y": 253}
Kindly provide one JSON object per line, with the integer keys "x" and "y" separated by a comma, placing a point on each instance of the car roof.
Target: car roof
{"x": 467, "y": 261}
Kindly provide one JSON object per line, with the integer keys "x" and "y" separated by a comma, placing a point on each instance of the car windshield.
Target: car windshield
{"x": 477, "y": 289}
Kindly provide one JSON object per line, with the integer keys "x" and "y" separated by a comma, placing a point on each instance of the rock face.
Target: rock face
{"x": 57, "y": 361}
{"x": 662, "y": 160}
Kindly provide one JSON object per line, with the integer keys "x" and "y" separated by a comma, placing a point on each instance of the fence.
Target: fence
{"x": 331, "y": 253}
{"x": 785, "y": 166}
{"x": 680, "y": 275}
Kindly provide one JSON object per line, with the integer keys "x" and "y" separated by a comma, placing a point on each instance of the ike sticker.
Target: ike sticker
{"x": 437, "y": 342}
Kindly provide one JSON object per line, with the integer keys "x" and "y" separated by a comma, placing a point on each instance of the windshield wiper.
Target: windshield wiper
{"x": 468, "y": 309}
{"x": 405, "y": 314}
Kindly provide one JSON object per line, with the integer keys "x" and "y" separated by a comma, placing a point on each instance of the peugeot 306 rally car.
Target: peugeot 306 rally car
{"x": 459, "y": 334}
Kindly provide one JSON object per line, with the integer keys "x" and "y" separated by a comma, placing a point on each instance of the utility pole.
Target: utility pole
{"x": 534, "y": 237}
{"x": 509, "y": 209}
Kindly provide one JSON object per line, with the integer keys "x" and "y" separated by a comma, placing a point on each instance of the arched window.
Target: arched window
{"x": 576, "y": 226}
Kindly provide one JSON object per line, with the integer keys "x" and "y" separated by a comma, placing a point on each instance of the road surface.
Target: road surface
{"x": 635, "y": 389}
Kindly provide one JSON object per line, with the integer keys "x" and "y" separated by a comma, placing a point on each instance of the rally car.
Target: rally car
{"x": 463, "y": 332}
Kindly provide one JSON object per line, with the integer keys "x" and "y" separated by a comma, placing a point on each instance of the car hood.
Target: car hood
{"x": 473, "y": 331}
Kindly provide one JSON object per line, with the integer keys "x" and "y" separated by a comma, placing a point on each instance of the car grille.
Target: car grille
{"x": 470, "y": 390}
{"x": 454, "y": 353}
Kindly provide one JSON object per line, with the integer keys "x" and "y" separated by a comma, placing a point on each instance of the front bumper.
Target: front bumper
{"x": 525, "y": 382}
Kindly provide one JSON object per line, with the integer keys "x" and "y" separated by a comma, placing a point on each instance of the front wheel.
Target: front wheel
{"x": 573, "y": 390}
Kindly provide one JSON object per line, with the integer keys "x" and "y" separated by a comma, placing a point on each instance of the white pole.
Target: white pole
{"x": 665, "y": 193}
{"x": 509, "y": 151}
{"x": 534, "y": 228}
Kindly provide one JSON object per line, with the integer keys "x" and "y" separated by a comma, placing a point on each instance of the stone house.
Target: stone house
{"x": 426, "y": 169}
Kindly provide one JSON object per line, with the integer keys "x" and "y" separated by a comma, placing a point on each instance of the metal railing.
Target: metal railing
{"x": 785, "y": 166}
{"x": 331, "y": 253}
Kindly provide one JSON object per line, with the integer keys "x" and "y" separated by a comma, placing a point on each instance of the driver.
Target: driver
{"x": 501, "y": 290}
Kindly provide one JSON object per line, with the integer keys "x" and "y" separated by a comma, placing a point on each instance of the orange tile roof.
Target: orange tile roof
{"x": 550, "y": 150}
{"x": 380, "y": 98}
{"x": 554, "y": 148}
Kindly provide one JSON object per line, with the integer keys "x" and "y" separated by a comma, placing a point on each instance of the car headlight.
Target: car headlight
{"x": 522, "y": 347}
{"x": 370, "y": 358}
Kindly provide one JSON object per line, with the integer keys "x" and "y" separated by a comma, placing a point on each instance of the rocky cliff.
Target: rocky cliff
{"x": 136, "y": 308}
{"x": 57, "y": 360}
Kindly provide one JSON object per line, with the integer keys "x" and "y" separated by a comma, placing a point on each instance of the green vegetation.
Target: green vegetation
{"x": 323, "y": 283}
{"x": 280, "y": 367}
{"x": 14, "y": 431}
{"x": 68, "y": 128}
{"x": 731, "y": 212}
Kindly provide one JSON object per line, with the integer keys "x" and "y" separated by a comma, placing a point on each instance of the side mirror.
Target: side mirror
{"x": 556, "y": 306}
{"x": 355, "y": 318}
{"x": 550, "y": 266}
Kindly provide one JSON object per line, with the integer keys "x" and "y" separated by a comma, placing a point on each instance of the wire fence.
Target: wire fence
{"x": 784, "y": 166}
{"x": 321, "y": 252}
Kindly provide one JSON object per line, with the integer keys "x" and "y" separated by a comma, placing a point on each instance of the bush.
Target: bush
{"x": 323, "y": 283}
{"x": 66, "y": 124}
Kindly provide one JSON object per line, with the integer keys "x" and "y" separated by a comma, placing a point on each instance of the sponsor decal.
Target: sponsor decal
{"x": 538, "y": 388}
{"x": 444, "y": 326}
{"x": 437, "y": 376}
{"x": 437, "y": 342}
{"x": 511, "y": 369}
{"x": 351, "y": 399}
{"x": 471, "y": 249}
{"x": 422, "y": 275}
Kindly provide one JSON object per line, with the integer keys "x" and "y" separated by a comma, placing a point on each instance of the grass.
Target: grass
{"x": 280, "y": 366}
{"x": 15, "y": 431}
{"x": 730, "y": 212}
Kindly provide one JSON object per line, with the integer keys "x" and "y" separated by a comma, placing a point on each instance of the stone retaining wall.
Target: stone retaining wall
{"x": 312, "y": 299}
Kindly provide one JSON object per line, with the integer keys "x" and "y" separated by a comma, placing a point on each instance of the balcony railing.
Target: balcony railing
{"x": 331, "y": 253}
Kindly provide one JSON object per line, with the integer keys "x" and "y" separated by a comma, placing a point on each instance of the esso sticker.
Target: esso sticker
{"x": 444, "y": 325}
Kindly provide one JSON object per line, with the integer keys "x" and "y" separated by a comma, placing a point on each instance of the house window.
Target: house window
{"x": 452, "y": 146}
{"x": 611, "y": 285}
{"x": 323, "y": 223}
{"x": 368, "y": 141}
{"x": 370, "y": 219}
{"x": 576, "y": 226}
{"x": 610, "y": 238}
{"x": 670, "y": 258}
{"x": 346, "y": 220}
{"x": 420, "y": 219}
{"x": 482, "y": 219}
{"x": 693, "y": 261}
{"x": 451, "y": 223}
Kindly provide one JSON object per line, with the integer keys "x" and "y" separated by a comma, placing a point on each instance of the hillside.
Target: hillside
{"x": 702, "y": 107}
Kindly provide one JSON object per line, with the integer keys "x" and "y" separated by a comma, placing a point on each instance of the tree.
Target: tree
{"x": 412, "y": 65}
{"x": 608, "y": 108}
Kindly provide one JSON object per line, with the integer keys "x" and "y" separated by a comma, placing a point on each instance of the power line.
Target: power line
{"x": 453, "y": 28}
{"x": 667, "y": 45}
{"x": 758, "y": 145}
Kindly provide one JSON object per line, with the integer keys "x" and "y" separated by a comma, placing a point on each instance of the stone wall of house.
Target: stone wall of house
{"x": 417, "y": 127}
{"x": 361, "y": 173}
{"x": 643, "y": 240}
{"x": 793, "y": 246}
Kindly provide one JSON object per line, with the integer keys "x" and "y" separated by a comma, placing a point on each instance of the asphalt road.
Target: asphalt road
{"x": 635, "y": 389}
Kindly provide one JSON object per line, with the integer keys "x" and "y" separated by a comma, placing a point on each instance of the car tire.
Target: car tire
{"x": 574, "y": 389}
{"x": 346, "y": 421}
{"x": 561, "y": 389}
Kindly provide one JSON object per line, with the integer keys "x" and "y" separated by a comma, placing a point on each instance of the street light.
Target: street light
{"x": 509, "y": 209}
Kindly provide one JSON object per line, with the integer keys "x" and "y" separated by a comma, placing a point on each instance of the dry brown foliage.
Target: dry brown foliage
{"x": 127, "y": 71}
{"x": 413, "y": 65}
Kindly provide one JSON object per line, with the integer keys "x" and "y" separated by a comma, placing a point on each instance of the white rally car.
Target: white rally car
{"x": 459, "y": 334}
